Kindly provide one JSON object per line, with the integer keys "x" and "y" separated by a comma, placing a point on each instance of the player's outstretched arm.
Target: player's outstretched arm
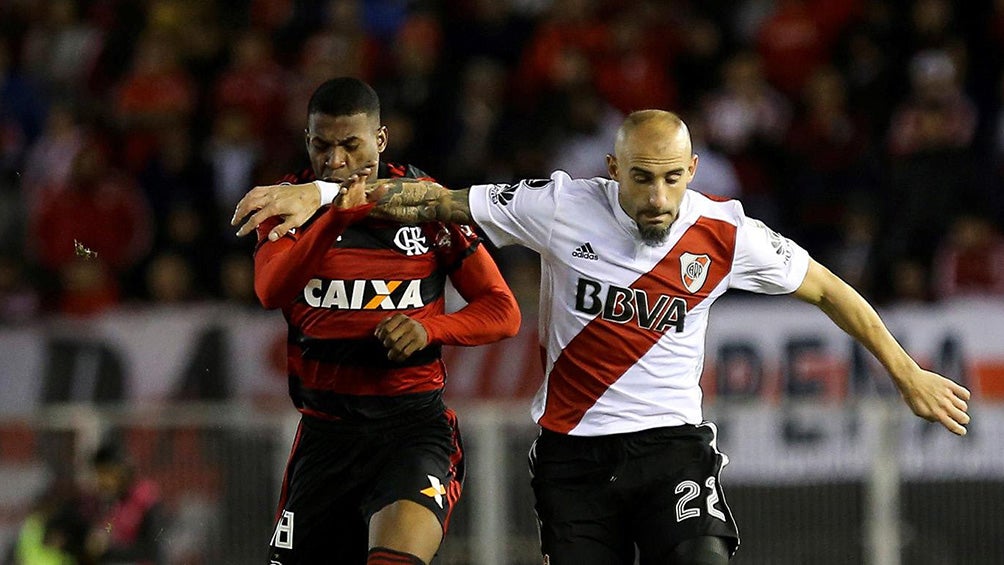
{"x": 294, "y": 203}
{"x": 407, "y": 201}
{"x": 410, "y": 201}
{"x": 930, "y": 395}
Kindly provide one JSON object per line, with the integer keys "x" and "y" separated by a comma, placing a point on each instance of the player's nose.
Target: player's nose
{"x": 658, "y": 196}
{"x": 336, "y": 159}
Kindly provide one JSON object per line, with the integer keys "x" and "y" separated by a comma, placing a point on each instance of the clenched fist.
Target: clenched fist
{"x": 402, "y": 336}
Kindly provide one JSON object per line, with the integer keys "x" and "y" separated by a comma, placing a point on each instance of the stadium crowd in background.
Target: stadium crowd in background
{"x": 869, "y": 130}
{"x": 109, "y": 514}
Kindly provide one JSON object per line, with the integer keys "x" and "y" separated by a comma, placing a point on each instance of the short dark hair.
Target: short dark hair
{"x": 344, "y": 96}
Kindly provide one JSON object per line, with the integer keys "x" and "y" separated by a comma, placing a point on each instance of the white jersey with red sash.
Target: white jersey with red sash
{"x": 623, "y": 323}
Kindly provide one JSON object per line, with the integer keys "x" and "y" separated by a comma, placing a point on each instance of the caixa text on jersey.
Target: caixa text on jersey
{"x": 621, "y": 305}
{"x": 365, "y": 294}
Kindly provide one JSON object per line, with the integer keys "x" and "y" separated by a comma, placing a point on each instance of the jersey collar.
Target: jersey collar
{"x": 628, "y": 223}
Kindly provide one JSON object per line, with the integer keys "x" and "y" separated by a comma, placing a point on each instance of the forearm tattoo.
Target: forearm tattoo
{"x": 412, "y": 201}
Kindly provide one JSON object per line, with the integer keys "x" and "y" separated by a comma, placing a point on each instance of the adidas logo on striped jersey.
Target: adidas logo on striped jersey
{"x": 585, "y": 251}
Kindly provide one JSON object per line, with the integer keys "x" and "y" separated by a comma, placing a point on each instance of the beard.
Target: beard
{"x": 653, "y": 236}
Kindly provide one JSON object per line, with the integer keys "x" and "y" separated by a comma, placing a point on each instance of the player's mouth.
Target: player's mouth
{"x": 653, "y": 217}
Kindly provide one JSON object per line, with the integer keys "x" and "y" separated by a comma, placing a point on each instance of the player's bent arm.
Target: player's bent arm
{"x": 491, "y": 313}
{"x": 283, "y": 267}
{"x": 929, "y": 395}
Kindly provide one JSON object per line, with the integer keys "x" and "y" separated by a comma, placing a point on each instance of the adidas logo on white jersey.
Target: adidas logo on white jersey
{"x": 585, "y": 251}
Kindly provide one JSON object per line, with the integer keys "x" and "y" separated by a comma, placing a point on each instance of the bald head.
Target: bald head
{"x": 653, "y": 162}
{"x": 652, "y": 130}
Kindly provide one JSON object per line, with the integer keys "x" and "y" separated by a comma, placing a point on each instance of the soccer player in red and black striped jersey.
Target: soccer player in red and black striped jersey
{"x": 377, "y": 464}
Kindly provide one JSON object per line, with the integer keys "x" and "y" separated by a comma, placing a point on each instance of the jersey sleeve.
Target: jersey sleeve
{"x": 491, "y": 312}
{"x": 521, "y": 213}
{"x": 766, "y": 262}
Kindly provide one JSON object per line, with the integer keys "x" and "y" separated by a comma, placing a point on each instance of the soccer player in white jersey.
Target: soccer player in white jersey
{"x": 630, "y": 267}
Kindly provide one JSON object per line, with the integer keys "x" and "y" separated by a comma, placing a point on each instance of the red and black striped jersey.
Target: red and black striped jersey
{"x": 340, "y": 274}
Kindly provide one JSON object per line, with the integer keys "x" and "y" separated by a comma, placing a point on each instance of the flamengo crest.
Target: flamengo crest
{"x": 694, "y": 270}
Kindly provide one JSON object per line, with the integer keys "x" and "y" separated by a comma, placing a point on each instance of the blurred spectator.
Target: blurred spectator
{"x": 102, "y": 209}
{"x": 254, "y": 83}
{"x": 237, "y": 279}
{"x": 234, "y": 154}
{"x": 829, "y": 147}
{"x": 50, "y": 158}
{"x": 869, "y": 59}
{"x": 63, "y": 49}
{"x": 715, "y": 173}
{"x": 748, "y": 17}
{"x": 485, "y": 29}
{"x": 792, "y": 44}
{"x": 746, "y": 110}
{"x": 411, "y": 85}
{"x": 170, "y": 279}
{"x": 129, "y": 519}
{"x": 341, "y": 47}
{"x": 588, "y": 130}
{"x": 910, "y": 282}
{"x": 970, "y": 262}
{"x": 19, "y": 300}
{"x": 701, "y": 52}
{"x": 54, "y": 533}
{"x": 476, "y": 119}
{"x": 570, "y": 26}
{"x": 931, "y": 23}
{"x": 178, "y": 173}
{"x": 937, "y": 112}
{"x": 270, "y": 14}
{"x": 156, "y": 96}
{"x": 631, "y": 73}
{"x": 193, "y": 28}
{"x": 929, "y": 187}
{"x": 747, "y": 119}
{"x": 997, "y": 151}
{"x": 852, "y": 254}
{"x": 22, "y": 113}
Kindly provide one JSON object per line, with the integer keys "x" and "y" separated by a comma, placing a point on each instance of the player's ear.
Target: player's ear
{"x": 612, "y": 166}
{"x": 381, "y": 137}
{"x": 692, "y": 169}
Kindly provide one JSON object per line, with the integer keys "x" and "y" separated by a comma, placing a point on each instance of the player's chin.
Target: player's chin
{"x": 653, "y": 234}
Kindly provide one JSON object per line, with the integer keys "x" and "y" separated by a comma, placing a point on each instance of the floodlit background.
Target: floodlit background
{"x": 870, "y": 131}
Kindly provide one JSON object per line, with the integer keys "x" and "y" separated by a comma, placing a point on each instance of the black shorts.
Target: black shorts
{"x": 597, "y": 498}
{"x": 339, "y": 475}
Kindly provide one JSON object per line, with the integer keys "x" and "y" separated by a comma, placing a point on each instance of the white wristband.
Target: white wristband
{"x": 329, "y": 191}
